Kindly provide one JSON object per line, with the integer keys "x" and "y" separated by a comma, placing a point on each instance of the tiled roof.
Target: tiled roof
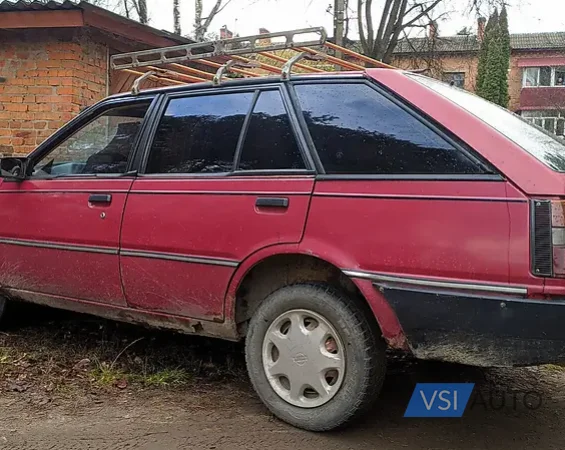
{"x": 24, "y": 5}
{"x": 50, "y": 5}
{"x": 439, "y": 44}
{"x": 442, "y": 44}
{"x": 541, "y": 41}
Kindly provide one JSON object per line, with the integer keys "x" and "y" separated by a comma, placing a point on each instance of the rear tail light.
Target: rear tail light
{"x": 548, "y": 238}
{"x": 558, "y": 237}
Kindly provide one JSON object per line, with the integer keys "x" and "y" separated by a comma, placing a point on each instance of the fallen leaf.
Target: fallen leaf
{"x": 83, "y": 364}
{"x": 17, "y": 387}
{"x": 42, "y": 401}
{"x": 121, "y": 384}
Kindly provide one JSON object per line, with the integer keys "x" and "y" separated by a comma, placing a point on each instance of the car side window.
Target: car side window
{"x": 270, "y": 143}
{"x": 102, "y": 146}
{"x": 199, "y": 134}
{"x": 356, "y": 130}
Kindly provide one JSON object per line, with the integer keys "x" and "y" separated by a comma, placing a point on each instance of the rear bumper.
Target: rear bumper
{"x": 479, "y": 330}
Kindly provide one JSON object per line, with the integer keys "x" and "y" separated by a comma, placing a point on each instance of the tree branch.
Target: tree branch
{"x": 206, "y": 21}
{"x": 392, "y": 20}
{"x": 423, "y": 13}
{"x": 366, "y": 49}
{"x": 370, "y": 26}
{"x": 397, "y": 29}
{"x": 384, "y": 16}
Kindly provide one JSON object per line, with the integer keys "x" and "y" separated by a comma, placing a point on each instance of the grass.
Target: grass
{"x": 554, "y": 367}
{"x": 166, "y": 377}
{"x": 108, "y": 376}
{"x": 63, "y": 351}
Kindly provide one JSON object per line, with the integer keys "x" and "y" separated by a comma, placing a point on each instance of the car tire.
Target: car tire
{"x": 3, "y": 308}
{"x": 358, "y": 350}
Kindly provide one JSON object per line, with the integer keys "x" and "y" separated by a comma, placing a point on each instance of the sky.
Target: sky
{"x": 247, "y": 16}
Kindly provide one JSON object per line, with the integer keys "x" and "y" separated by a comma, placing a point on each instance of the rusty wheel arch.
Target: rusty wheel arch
{"x": 277, "y": 271}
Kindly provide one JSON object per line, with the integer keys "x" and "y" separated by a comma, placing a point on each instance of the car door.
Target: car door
{"x": 59, "y": 228}
{"x": 224, "y": 177}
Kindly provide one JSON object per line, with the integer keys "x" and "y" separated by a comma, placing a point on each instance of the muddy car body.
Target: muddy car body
{"x": 322, "y": 218}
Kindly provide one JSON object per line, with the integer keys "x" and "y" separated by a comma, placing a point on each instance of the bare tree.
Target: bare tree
{"x": 201, "y": 23}
{"x": 378, "y": 40}
{"x": 140, "y": 7}
{"x": 101, "y": 3}
{"x": 176, "y": 16}
{"x": 127, "y": 9}
{"x": 379, "y": 34}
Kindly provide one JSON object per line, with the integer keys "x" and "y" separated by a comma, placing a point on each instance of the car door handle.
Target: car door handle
{"x": 100, "y": 198}
{"x": 273, "y": 202}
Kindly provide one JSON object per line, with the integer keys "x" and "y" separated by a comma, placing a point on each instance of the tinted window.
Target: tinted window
{"x": 358, "y": 131}
{"x": 270, "y": 143}
{"x": 199, "y": 134}
{"x": 103, "y": 145}
{"x": 544, "y": 146}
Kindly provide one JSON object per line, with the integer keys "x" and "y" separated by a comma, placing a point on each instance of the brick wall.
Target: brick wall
{"x": 468, "y": 64}
{"x": 440, "y": 63}
{"x": 46, "y": 77}
{"x": 515, "y": 75}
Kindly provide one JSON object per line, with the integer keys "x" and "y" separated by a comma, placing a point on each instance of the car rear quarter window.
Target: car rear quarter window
{"x": 541, "y": 144}
{"x": 270, "y": 143}
{"x": 356, "y": 130}
{"x": 199, "y": 134}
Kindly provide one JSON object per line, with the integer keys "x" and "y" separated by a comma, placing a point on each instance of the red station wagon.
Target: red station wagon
{"x": 322, "y": 219}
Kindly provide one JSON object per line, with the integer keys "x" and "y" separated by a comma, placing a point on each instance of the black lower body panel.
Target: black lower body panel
{"x": 480, "y": 330}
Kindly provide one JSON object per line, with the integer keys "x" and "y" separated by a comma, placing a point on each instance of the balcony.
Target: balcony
{"x": 542, "y": 97}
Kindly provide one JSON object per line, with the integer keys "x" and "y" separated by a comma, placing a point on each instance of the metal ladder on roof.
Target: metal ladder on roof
{"x": 207, "y": 53}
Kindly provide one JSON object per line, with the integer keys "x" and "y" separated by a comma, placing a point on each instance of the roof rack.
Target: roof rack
{"x": 249, "y": 56}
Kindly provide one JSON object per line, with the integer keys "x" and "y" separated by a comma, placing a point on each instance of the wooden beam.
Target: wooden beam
{"x": 129, "y": 29}
{"x": 284, "y": 60}
{"x": 154, "y": 78}
{"x": 331, "y": 59}
{"x": 41, "y": 19}
{"x": 119, "y": 80}
{"x": 267, "y": 67}
{"x": 176, "y": 75}
{"x": 192, "y": 70}
{"x": 216, "y": 65}
{"x": 358, "y": 56}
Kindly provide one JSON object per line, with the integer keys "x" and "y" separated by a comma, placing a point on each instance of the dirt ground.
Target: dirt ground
{"x": 72, "y": 382}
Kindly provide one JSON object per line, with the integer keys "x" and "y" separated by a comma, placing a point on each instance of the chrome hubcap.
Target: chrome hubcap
{"x": 303, "y": 358}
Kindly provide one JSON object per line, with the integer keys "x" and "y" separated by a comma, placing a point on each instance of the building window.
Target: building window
{"x": 550, "y": 120}
{"x": 560, "y": 76}
{"x": 543, "y": 76}
{"x": 455, "y": 78}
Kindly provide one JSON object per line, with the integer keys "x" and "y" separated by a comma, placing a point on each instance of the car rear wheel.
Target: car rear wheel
{"x": 3, "y": 304}
{"x": 314, "y": 356}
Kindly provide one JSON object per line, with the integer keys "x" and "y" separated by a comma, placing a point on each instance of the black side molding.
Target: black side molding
{"x": 479, "y": 329}
{"x": 274, "y": 202}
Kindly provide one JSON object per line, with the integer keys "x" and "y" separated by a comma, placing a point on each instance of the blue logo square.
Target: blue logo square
{"x": 439, "y": 399}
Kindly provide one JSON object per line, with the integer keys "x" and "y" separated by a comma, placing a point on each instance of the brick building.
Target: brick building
{"x": 537, "y": 69}
{"x": 54, "y": 61}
